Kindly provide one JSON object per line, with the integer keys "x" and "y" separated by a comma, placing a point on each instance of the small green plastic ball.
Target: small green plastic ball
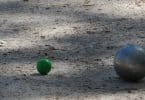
{"x": 44, "y": 66}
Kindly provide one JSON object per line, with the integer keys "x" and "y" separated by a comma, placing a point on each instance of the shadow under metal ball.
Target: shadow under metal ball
{"x": 129, "y": 63}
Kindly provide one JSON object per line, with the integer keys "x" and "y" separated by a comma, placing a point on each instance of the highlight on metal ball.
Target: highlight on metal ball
{"x": 129, "y": 62}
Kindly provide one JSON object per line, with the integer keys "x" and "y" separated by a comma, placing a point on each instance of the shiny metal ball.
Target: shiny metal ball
{"x": 129, "y": 63}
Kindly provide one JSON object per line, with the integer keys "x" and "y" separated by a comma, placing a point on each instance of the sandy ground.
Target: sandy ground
{"x": 80, "y": 37}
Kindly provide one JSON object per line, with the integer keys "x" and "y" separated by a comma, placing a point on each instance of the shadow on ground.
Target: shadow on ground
{"x": 89, "y": 81}
{"x": 97, "y": 76}
{"x": 91, "y": 47}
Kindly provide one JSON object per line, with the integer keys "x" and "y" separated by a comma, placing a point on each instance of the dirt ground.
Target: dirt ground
{"x": 80, "y": 37}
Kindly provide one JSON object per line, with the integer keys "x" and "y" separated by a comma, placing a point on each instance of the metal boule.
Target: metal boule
{"x": 129, "y": 62}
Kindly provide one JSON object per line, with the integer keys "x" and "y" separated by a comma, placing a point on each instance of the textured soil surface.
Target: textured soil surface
{"x": 80, "y": 37}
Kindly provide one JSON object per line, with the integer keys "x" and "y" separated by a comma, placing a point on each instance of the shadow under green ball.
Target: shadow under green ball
{"x": 44, "y": 66}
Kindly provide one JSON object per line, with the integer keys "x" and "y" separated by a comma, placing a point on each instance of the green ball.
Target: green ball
{"x": 44, "y": 66}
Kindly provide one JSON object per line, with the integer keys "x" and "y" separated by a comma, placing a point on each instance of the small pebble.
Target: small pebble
{"x": 2, "y": 43}
{"x": 43, "y": 37}
{"x": 129, "y": 91}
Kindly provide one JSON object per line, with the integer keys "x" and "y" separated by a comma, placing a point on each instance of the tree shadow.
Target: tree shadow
{"x": 89, "y": 81}
{"x": 96, "y": 75}
{"x": 16, "y": 7}
{"x": 108, "y": 23}
{"x": 92, "y": 47}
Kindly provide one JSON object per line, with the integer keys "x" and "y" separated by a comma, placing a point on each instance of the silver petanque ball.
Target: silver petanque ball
{"x": 129, "y": 63}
